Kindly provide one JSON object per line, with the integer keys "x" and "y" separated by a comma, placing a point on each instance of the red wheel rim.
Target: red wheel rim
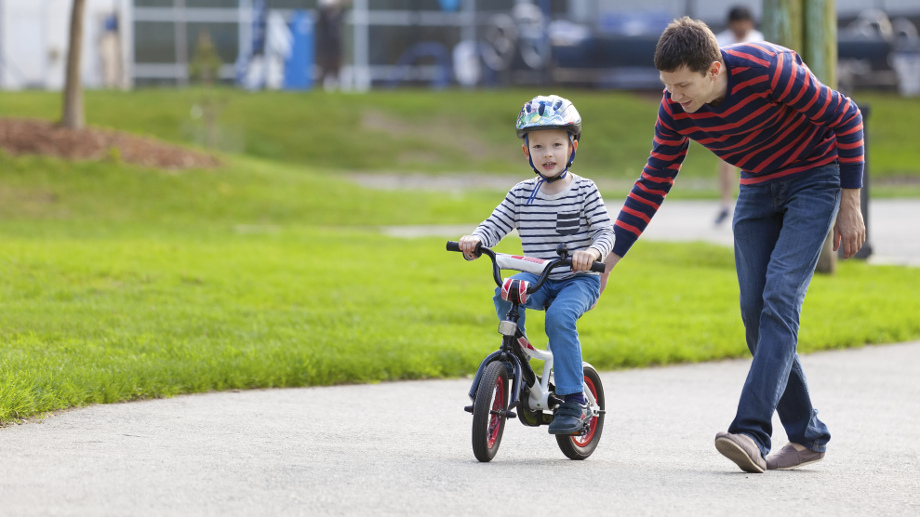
{"x": 498, "y": 405}
{"x": 583, "y": 441}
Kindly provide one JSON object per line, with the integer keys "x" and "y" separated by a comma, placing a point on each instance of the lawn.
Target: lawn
{"x": 441, "y": 132}
{"x": 119, "y": 282}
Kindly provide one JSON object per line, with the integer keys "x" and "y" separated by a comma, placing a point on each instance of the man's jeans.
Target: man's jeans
{"x": 567, "y": 299}
{"x": 779, "y": 229}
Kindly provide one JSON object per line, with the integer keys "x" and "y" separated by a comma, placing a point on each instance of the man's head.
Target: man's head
{"x": 690, "y": 64}
{"x": 740, "y": 22}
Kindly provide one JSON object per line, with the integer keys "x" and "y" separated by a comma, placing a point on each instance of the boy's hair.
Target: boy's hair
{"x": 687, "y": 42}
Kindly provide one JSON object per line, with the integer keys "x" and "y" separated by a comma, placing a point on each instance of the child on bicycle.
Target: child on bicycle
{"x": 556, "y": 207}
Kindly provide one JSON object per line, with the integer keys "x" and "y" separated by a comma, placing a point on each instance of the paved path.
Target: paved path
{"x": 404, "y": 449}
{"x": 894, "y": 228}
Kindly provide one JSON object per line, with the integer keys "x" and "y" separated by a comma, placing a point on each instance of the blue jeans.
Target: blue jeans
{"x": 567, "y": 299}
{"x": 779, "y": 230}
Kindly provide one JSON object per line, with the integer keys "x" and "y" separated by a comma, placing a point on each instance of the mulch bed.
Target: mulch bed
{"x": 30, "y": 136}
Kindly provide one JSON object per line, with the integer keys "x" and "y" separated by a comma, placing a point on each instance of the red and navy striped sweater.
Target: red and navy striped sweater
{"x": 775, "y": 121}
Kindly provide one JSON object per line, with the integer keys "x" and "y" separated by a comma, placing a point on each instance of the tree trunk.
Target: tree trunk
{"x": 808, "y": 27}
{"x": 72, "y": 116}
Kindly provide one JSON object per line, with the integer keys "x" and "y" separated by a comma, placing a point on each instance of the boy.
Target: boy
{"x": 556, "y": 207}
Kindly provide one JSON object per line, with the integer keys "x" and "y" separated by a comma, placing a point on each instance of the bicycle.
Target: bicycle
{"x": 505, "y": 378}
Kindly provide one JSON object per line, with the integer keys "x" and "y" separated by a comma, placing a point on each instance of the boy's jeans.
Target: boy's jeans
{"x": 567, "y": 299}
{"x": 779, "y": 230}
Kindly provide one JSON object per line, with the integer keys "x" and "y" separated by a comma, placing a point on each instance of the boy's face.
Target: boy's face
{"x": 549, "y": 150}
{"x": 692, "y": 89}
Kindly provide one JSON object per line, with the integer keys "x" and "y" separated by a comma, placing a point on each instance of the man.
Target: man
{"x": 799, "y": 145}
{"x": 740, "y": 30}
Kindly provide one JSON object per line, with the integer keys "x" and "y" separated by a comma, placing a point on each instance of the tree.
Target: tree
{"x": 72, "y": 116}
{"x": 810, "y": 28}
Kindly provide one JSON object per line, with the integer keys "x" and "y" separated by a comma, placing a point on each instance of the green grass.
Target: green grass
{"x": 119, "y": 282}
{"x": 436, "y": 132}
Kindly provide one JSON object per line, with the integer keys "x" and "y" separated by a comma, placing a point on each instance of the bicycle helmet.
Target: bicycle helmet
{"x": 549, "y": 112}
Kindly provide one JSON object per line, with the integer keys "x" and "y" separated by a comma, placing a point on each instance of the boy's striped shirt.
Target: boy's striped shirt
{"x": 575, "y": 217}
{"x": 776, "y": 120}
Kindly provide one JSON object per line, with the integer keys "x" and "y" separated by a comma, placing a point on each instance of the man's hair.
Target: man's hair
{"x": 740, "y": 13}
{"x": 686, "y": 42}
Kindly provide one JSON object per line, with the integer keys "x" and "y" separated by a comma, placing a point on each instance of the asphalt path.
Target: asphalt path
{"x": 404, "y": 448}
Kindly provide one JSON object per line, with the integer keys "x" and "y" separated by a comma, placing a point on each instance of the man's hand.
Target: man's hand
{"x": 849, "y": 230}
{"x": 468, "y": 245}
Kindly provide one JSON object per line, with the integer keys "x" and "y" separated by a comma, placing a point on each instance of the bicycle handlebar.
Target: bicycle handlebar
{"x": 598, "y": 267}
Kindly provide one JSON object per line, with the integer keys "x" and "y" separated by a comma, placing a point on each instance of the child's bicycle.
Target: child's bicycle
{"x": 506, "y": 380}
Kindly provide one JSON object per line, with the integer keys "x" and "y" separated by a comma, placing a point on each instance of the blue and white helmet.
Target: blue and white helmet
{"x": 549, "y": 112}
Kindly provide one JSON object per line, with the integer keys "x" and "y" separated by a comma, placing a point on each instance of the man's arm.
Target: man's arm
{"x": 611, "y": 261}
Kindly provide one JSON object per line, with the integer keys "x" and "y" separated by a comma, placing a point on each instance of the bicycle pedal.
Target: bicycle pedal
{"x": 468, "y": 409}
{"x": 505, "y": 413}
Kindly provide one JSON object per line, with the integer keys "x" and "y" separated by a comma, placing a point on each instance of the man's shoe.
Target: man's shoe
{"x": 741, "y": 449}
{"x": 790, "y": 457}
{"x": 722, "y": 216}
{"x": 569, "y": 418}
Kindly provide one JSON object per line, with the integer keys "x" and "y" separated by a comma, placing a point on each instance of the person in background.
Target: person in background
{"x": 740, "y": 30}
{"x": 329, "y": 41}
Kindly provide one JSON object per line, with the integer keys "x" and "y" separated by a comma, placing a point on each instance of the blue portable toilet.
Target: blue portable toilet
{"x": 298, "y": 68}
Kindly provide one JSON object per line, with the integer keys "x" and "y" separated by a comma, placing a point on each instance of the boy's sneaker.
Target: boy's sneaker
{"x": 792, "y": 456}
{"x": 741, "y": 449}
{"x": 569, "y": 418}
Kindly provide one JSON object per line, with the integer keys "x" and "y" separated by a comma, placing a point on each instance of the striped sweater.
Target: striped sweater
{"x": 575, "y": 217}
{"x": 775, "y": 121}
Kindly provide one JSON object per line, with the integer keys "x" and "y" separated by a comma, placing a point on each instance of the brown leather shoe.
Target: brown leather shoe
{"x": 741, "y": 449}
{"x": 789, "y": 457}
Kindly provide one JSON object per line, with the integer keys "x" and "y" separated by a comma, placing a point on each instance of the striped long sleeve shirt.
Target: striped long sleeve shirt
{"x": 575, "y": 217}
{"x": 776, "y": 120}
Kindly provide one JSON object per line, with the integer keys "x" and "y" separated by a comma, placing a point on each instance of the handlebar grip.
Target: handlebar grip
{"x": 455, "y": 246}
{"x": 599, "y": 267}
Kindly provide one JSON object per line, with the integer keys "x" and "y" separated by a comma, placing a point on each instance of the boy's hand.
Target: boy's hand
{"x": 582, "y": 260}
{"x": 468, "y": 245}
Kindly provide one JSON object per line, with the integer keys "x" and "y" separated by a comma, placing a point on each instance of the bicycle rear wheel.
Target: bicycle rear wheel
{"x": 489, "y": 411}
{"x": 579, "y": 447}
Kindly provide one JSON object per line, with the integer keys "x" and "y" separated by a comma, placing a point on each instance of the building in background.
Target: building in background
{"x": 386, "y": 43}
{"x": 33, "y": 43}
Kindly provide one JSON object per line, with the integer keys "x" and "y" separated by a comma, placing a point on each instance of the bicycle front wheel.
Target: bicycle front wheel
{"x": 489, "y": 411}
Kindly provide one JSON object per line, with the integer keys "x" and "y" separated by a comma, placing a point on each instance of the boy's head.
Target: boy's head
{"x": 550, "y": 127}
{"x": 689, "y": 63}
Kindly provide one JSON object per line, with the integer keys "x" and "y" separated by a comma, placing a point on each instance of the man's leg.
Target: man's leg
{"x": 728, "y": 178}
{"x": 775, "y": 381}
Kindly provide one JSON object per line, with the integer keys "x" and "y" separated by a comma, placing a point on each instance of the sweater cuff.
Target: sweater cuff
{"x": 851, "y": 175}
{"x": 624, "y": 241}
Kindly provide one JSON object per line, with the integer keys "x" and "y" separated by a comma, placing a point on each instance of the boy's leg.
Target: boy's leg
{"x": 779, "y": 276}
{"x": 575, "y": 296}
{"x": 535, "y": 301}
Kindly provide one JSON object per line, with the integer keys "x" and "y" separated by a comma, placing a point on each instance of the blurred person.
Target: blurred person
{"x": 800, "y": 148}
{"x": 740, "y": 30}
{"x": 556, "y": 207}
{"x": 329, "y": 41}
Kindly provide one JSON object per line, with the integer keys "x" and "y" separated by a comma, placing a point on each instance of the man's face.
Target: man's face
{"x": 691, "y": 89}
